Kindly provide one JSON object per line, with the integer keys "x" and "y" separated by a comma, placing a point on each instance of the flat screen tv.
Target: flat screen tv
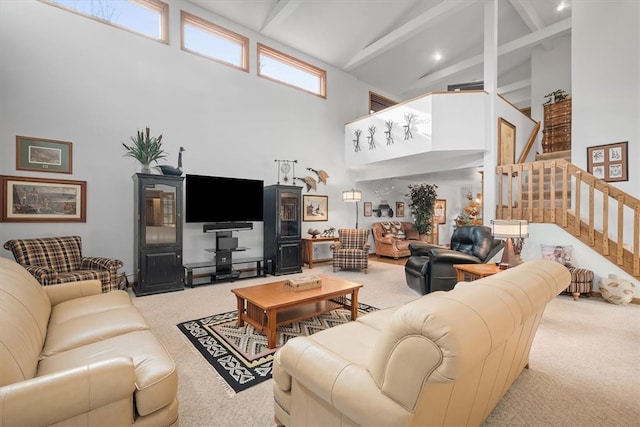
{"x": 219, "y": 199}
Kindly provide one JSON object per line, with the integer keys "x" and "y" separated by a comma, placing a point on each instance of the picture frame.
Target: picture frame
{"x": 43, "y": 155}
{"x": 315, "y": 208}
{"x": 399, "y": 209}
{"x": 506, "y": 142}
{"x": 609, "y": 162}
{"x": 440, "y": 210}
{"x": 27, "y": 199}
{"x": 368, "y": 209}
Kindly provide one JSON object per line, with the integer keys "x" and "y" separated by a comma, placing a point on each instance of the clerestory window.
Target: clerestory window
{"x": 146, "y": 17}
{"x": 282, "y": 68}
{"x": 213, "y": 42}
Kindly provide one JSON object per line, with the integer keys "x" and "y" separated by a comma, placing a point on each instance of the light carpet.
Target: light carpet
{"x": 584, "y": 364}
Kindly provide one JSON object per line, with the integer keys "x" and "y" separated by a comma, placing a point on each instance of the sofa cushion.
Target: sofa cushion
{"x": 90, "y": 319}
{"x": 155, "y": 370}
{"x": 63, "y": 254}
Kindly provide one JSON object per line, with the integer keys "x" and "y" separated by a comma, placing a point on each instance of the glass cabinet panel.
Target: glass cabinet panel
{"x": 289, "y": 211}
{"x": 160, "y": 206}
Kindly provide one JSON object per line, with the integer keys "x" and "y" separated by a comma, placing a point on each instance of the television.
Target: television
{"x": 219, "y": 199}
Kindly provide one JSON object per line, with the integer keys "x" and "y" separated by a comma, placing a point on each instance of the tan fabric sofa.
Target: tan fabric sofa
{"x": 446, "y": 358}
{"x": 392, "y": 238}
{"x": 72, "y": 355}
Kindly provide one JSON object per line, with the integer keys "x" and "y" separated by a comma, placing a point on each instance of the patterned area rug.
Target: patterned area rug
{"x": 241, "y": 355}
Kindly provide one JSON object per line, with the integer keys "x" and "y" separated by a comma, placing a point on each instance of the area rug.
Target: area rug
{"x": 240, "y": 355}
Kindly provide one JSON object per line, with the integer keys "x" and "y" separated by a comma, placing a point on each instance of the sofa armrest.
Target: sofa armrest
{"x": 449, "y": 256}
{"x": 91, "y": 263}
{"x": 347, "y": 387}
{"x": 44, "y": 275}
{"x": 53, "y": 398}
{"x": 72, "y": 290}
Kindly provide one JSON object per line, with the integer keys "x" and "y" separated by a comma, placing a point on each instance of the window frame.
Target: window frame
{"x": 291, "y": 61}
{"x": 208, "y": 26}
{"x": 157, "y": 5}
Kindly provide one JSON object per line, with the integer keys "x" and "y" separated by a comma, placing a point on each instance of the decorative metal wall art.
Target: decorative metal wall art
{"x": 356, "y": 142}
{"x": 389, "y": 124}
{"x": 409, "y": 120}
{"x": 372, "y": 143}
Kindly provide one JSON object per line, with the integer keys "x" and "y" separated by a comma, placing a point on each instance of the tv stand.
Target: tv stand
{"x": 223, "y": 261}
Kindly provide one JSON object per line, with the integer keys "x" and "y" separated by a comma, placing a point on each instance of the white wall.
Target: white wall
{"x": 550, "y": 70}
{"x": 70, "y": 78}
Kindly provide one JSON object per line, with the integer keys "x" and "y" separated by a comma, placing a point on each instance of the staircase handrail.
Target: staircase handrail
{"x": 532, "y": 139}
{"x": 610, "y": 245}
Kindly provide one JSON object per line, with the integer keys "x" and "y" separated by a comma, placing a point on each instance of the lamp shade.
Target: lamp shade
{"x": 352, "y": 195}
{"x": 510, "y": 228}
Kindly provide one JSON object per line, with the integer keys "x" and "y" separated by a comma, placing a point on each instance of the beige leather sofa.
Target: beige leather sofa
{"x": 392, "y": 238}
{"x": 446, "y": 358}
{"x": 71, "y": 355}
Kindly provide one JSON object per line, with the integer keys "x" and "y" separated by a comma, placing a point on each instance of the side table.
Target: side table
{"x": 472, "y": 272}
{"x": 307, "y": 249}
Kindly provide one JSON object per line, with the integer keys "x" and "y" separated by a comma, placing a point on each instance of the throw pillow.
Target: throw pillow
{"x": 617, "y": 290}
{"x": 561, "y": 254}
{"x": 412, "y": 234}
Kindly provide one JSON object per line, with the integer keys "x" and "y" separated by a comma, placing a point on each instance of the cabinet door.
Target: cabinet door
{"x": 160, "y": 272}
{"x": 289, "y": 216}
{"x": 289, "y": 258}
{"x": 160, "y": 215}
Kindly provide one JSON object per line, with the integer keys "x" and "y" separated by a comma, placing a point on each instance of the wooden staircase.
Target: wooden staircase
{"x": 598, "y": 214}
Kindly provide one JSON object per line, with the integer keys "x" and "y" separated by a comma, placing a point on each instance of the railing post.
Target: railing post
{"x": 605, "y": 221}
{"x": 552, "y": 191}
{"x": 620, "y": 245}
{"x": 636, "y": 242}
{"x": 577, "y": 202}
{"x": 592, "y": 234}
{"x": 541, "y": 191}
{"x": 565, "y": 190}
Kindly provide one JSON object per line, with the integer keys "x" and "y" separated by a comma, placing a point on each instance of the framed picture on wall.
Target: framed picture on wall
{"x": 368, "y": 209}
{"x": 400, "y": 209}
{"x": 43, "y": 155}
{"x": 43, "y": 200}
{"x": 608, "y": 162}
{"x": 506, "y": 142}
{"x": 315, "y": 208}
{"x": 440, "y": 211}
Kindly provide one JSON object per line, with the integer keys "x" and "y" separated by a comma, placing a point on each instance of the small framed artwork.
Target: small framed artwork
{"x": 399, "y": 209}
{"x": 43, "y": 155}
{"x": 315, "y": 208}
{"x": 368, "y": 209}
{"x": 43, "y": 200}
{"x": 608, "y": 162}
{"x": 440, "y": 211}
{"x": 506, "y": 142}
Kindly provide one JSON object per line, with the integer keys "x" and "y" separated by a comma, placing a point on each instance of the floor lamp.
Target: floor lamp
{"x": 352, "y": 196}
{"x": 510, "y": 229}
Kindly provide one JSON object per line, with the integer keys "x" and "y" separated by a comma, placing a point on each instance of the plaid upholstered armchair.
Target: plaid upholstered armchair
{"x": 55, "y": 260}
{"x": 352, "y": 250}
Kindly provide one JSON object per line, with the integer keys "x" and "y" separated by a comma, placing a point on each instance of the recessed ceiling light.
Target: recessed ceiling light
{"x": 437, "y": 56}
{"x": 561, "y": 6}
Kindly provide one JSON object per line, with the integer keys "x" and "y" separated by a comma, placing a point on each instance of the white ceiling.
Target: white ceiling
{"x": 390, "y": 44}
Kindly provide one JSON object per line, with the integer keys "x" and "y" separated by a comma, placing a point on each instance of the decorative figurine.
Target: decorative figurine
{"x": 170, "y": 170}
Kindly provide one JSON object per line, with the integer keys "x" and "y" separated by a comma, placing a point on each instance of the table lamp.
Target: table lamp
{"x": 352, "y": 196}
{"x": 510, "y": 229}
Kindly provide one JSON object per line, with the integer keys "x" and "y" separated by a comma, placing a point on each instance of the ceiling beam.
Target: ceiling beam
{"x": 530, "y": 17}
{"x": 514, "y": 86}
{"x": 408, "y": 30}
{"x": 537, "y": 37}
{"x": 278, "y": 14}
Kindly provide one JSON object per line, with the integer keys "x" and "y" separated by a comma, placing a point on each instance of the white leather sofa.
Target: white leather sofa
{"x": 446, "y": 358}
{"x": 72, "y": 355}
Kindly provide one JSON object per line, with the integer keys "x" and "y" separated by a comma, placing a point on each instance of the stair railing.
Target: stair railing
{"x": 597, "y": 213}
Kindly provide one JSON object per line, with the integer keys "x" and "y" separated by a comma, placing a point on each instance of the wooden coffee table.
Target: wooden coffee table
{"x": 265, "y": 307}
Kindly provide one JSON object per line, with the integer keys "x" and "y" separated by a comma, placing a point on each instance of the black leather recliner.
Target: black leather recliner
{"x": 430, "y": 267}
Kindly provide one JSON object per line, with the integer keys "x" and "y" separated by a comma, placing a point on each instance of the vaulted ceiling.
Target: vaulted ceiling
{"x": 392, "y": 44}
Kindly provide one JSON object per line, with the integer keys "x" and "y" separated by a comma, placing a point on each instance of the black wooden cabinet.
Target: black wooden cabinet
{"x": 282, "y": 223}
{"x": 157, "y": 234}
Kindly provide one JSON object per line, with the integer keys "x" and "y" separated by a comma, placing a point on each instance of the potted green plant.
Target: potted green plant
{"x": 422, "y": 202}
{"x": 145, "y": 149}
